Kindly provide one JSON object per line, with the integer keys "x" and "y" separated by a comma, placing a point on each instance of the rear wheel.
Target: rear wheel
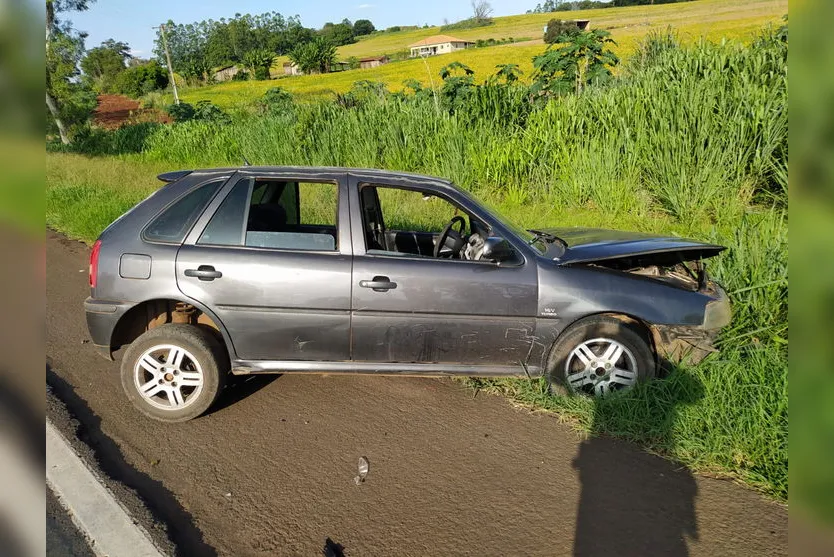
{"x": 174, "y": 372}
{"x": 599, "y": 355}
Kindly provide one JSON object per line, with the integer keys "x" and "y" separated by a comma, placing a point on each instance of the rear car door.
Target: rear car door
{"x": 410, "y": 307}
{"x": 271, "y": 256}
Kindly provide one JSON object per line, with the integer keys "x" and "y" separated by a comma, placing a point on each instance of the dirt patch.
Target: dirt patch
{"x": 115, "y": 111}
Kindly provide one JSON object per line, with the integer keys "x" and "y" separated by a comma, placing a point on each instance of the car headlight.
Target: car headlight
{"x": 717, "y": 313}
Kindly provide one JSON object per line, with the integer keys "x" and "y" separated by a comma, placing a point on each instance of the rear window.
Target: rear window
{"x": 174, "y": 222}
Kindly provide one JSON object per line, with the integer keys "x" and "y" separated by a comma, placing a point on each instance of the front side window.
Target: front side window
{"x": 276, "y": 214}
{"x": 411, "y": 222}
{"x": 174, "y": 222}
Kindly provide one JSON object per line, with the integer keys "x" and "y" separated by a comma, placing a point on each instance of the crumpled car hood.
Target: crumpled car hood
{"x": 585, "y": 245}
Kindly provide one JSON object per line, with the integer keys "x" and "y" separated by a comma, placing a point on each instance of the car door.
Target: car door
{"x": 418, "y": 309}
{"x": 278, "y": 280}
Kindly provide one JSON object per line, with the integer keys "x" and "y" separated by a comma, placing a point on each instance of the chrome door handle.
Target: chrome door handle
{"x": 378, "y": 284}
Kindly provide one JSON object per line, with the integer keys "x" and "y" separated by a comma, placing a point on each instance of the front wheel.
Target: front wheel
{"x": 174, "y": 372}
{"x": 599, "y": 355}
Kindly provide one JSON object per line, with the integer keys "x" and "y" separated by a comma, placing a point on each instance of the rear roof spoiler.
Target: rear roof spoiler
{"x": 174, "y": 176}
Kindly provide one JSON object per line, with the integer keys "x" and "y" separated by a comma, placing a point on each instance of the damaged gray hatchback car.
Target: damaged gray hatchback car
{"x": 327, "y": 270}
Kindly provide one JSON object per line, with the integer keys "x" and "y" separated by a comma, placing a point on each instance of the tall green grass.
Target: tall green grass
{"x": 688, "y": 139}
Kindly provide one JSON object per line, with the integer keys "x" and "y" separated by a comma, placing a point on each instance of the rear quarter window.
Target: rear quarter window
{"x": 173, "y": 223}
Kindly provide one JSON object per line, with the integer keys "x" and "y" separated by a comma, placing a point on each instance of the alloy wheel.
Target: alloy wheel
{"x": 599, "y": 366}
{"x": 168, "y": 377}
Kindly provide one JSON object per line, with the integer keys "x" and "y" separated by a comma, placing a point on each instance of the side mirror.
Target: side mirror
{"x": 497, "y": 250}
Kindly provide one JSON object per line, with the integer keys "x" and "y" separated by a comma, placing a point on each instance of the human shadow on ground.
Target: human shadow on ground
{"x": 633, "y": 502}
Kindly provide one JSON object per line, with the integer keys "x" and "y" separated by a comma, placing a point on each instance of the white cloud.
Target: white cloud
{"x": 364, "y": 6}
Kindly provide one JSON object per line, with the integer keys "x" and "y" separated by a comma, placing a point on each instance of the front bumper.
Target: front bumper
{"x": 102, "y": 317}
{"x": 679, "y": 343}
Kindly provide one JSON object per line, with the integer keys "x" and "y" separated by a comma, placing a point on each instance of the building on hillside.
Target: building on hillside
{"x": 292, "y": 69}
{"x": 339, "y": 67}
{"x": 581, "y": 23}
{"x": 438, "y": 44}
{"x": 372, "y": 62}
{"x": 225, "y": 73}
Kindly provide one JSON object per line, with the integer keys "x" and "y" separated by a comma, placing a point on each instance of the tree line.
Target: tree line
{"x": 570, "y": 5}
{"x": 250, "y": 41}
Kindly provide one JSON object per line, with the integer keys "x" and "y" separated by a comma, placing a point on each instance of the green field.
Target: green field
{"x": 734, "y": 20}
{"x": 694, "y": 143}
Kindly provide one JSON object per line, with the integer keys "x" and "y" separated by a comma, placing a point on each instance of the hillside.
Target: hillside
{"x": 713, "y": 19}
{"x": 731, "y": 18}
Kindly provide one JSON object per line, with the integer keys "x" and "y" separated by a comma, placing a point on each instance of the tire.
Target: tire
{"x": 598, "y": 355}
{"x": 198, "y": 372}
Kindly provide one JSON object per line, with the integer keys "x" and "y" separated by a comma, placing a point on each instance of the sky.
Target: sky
{"x": 133, "y": 21}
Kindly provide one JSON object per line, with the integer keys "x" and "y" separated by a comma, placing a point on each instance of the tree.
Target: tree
{"x": 140, "y": 80}
{"x": 557, "y": 28}
{"x": 104, "y": 63}
{"x": 198, "y": 47}
{"x": 363, "y": 27}
{"x": 67, "y": 100}
{"x": 338, "y": 34}
{"x": 582, "y": 60}
{"x": 187, "y": 45}
{"x": 315, "y": 56}
{"x": 258, "y": 61}
{"x": 481, "y": 10}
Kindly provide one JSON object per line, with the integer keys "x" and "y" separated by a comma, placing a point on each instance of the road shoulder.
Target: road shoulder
{"x": 94, "y": 510}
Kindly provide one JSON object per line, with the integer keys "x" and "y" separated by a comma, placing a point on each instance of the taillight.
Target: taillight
{"x": 94, "y": 263}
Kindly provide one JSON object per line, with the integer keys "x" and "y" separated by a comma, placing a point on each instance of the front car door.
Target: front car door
{"x": 271, "y": 255}
{"x": 410, "y": 307}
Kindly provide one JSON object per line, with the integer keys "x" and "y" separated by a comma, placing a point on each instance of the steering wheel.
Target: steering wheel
{"x": 450, "y": 233}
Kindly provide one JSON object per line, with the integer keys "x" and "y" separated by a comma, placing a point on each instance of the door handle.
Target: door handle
{"x": 378, "y": 284}
{"x": 204, "y": 272}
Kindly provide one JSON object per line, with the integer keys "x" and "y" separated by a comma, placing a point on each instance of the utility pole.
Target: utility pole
{"x": 170, "y": 67}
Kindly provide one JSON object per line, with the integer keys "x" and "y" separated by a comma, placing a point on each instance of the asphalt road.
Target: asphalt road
{"x": 270, "y": 471}
{"x": 62, "y": 537}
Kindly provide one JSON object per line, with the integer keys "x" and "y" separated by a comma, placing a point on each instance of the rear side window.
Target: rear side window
{"x": 276, "y": 214}
{"x": 174, "y": 222}
{"x": 226, "y": 226}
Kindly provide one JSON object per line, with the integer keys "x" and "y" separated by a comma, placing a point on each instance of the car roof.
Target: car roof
{"x": 313, "y": 169}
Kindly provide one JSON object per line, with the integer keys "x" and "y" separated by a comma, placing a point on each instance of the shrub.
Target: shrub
{"x": 276, "y": 100}
{"x": 470, "y": 23}
{"x": 154, "y": 99}
{"x": 559, "y": 30}
{"x": 210, "y": 112}
{"x": 180, "y": 112}
{"x": 140, "y": 80}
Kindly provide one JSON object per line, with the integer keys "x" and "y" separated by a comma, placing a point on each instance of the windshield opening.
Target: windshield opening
{"x": 537, "y": 242}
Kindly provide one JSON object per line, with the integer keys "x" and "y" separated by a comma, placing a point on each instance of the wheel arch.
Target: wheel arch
{"x": 152, "y": 313}
{"x": 646, "y": 329}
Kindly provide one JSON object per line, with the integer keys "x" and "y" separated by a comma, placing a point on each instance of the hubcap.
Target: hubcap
{"x": 168, "y": 377}
{"x": 599, "y": 366}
